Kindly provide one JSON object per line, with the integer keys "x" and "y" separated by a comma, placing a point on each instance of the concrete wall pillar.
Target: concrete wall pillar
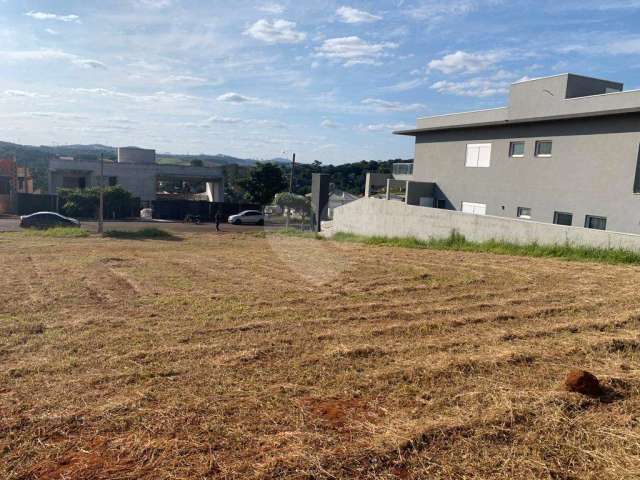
{"x": 215, "y": 191}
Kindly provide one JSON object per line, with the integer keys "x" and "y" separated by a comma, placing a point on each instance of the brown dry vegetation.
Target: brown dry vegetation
{"x": 215, "y": 357}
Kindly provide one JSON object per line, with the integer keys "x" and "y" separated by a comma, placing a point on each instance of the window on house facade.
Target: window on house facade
{"x": 475, "y": 208}
{"x": 563, "y": 218}
{"x": 516, "y": 149}
{"x": 597, "y": 223}
{"x": 478, "y": 155}
{"x": 5, "y": 186}
{"x": 544, "y": 148}
{"x": 524, "y": 212}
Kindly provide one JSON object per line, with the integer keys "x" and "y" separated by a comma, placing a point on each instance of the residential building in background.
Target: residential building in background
{"x": 136, "y": 171}
{"x": 13, "y": 179}
{"x": 566, "y": 150}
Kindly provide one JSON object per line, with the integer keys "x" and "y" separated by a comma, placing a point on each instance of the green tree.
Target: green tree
{"x": 263, "y": 183}
{"x": 299, "y": 203}
{"x": 84, "y": 203}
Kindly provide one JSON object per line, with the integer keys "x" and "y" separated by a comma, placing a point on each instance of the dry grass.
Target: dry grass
{"x": 215, "y": 357}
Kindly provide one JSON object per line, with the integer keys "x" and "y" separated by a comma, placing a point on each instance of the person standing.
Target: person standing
{"x": 217, "y": 220}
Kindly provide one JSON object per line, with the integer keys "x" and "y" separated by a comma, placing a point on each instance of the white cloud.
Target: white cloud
{"x": 217, "y": 120}
{"x": 151, "y": 98}
{"x": 464, "y": 62}
{"x": 173, "y": 96}
{"x": 328, "y": 146}
{"x": 406, "y": 85}
{"x": 353, "y": 15}
{"x": 273, "y": 8}
{"x": 56, "y": 115}
{"x": 155, "y": 3}
{"x": 103, "y": 92}
{"x": 232, "y": 97}
{"x": 276, "y": 31}
{"x": 36, "y": 55}
{"x": 354, "y": 50}
{"x": 386, "y": 106}
{"x": 384, "y": 127}
{"x": 329, "y": 124}
{"x": 51, "y": 31}
{"x": 22, "y": 94}
{"x": 225, "y": 120}
{"x": 624, "y": 47}
{"x": 238, "y": 99}
{"x": 50, "y": 55}
{"x": 475, "y": 87}
{"x": 53, "y": 16}
{"x": 88, "y": 63}
{"x": 183, "y": 79}
{"x": 438, "y": 10}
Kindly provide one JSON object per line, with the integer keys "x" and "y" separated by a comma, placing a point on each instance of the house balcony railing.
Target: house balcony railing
{"x": 402, "y": 170}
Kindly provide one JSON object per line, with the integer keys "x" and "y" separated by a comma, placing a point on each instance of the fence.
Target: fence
{"x": 28, "y": 203}
{"x": 180, "y": 209}
{"x": 375, "y": 217}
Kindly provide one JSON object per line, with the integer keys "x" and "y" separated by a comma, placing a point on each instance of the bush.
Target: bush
{"x": 84, "y": 203}
{"x": 145, "y": 233}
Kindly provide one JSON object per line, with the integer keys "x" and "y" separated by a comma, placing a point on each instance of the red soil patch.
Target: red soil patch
{"x": 338, "y": 413}
{"x": 400, "y": 472}
{"x": 95, "y": 461}
{"x": 583, "y": 382}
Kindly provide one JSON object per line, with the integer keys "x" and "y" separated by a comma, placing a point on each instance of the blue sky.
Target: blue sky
{"x": 326, "y": 79}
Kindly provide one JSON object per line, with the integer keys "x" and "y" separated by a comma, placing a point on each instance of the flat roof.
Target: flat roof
{"x": 605, "y": 104}
{"x": 556, "y": 97}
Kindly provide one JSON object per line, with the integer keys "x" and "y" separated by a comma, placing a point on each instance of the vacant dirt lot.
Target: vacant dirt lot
{"x": 238, "y": 356}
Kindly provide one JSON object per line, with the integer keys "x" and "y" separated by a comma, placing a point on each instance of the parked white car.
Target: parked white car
{"x": 253, "y": 217}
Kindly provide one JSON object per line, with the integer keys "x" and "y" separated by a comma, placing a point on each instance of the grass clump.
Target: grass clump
{"x": 294, "y": 232}
{"x": 150, "y": 233}
{"x": 458, "y": 242}
{"x": 58, "y": 232}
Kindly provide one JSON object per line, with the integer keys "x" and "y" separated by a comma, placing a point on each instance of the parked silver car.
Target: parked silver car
{"x": 47, "y": 220}
{"x": 252, "y": 217}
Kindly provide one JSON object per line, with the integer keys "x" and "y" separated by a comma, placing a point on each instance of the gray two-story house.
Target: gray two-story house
{"x": 566, "y": 150}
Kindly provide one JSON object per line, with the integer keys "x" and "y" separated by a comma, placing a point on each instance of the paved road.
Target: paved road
{"x": 11, "y": 224}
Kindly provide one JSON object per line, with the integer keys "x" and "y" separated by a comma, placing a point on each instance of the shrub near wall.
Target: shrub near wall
{"x": 84, "y": 203}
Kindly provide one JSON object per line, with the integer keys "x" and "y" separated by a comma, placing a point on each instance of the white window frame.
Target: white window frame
{"x": 524, "y": 217}
{"x": 474, "y": 155}
{"x": 476, "y": 208}
{"x": 543, "y": 155}
{"x": 511, "y": 144}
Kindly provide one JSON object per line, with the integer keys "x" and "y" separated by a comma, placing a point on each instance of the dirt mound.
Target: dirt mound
{"x": 583, "y": 382}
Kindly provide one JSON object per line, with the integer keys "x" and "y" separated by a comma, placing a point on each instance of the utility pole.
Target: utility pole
{"x": 101, "y": 206}
{"x": 293, "y": 166}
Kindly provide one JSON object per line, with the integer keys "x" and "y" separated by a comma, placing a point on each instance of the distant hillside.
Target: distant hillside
{"x": 37, "y": 155}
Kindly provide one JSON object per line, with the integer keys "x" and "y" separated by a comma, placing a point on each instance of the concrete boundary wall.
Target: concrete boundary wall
{"x": 375, "y": 217}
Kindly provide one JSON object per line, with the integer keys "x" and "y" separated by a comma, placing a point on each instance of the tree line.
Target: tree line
{"x": 261, "y": 183}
